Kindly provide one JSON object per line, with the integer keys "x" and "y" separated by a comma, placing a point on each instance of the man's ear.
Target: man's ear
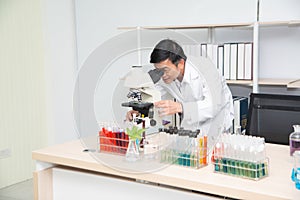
{"x": 181, "y": 64}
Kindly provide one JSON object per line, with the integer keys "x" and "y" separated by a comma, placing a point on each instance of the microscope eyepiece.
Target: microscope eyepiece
{"x": 156, "y": 74}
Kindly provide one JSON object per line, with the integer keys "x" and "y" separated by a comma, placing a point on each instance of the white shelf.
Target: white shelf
{"x": 278, "y": 82}
{"x": 289, "y": 83}
{"x": 294, "y": 84}
{"x": 226, "y": 25}
{"x": 280, "y": 23}
{"x": 240, "y": 82}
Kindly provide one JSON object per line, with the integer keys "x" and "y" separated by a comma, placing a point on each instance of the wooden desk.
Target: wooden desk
{"x": 277, "y": 185}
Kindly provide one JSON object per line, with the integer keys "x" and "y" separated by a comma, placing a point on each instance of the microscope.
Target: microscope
{"x": 142, "y": 94}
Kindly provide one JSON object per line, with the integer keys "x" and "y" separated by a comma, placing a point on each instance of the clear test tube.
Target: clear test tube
{"x": 217, "y": 156}
{"x": 173, "y": 150}
{"x": 119, "y": 140}
{"x": 179, "y": 147}
{"x": 205, "y": 149}
{"x": 195, "y": 151}
{"x": 170, "y": 145}
{"x": 191, "y": 148}
{"x": 163, "y": 143}
{"x": 185, "y": 149}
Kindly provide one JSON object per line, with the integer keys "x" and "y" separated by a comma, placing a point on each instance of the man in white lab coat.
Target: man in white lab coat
{"x": 200, "y": 92}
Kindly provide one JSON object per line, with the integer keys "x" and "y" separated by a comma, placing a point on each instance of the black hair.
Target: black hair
{"x": 167, "y": 49}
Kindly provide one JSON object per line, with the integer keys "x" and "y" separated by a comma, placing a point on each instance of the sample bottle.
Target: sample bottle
{"x": 296, "y": 169}
{"x": 295, "y": 139}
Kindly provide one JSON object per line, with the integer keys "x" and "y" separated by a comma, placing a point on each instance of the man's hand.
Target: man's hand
{"x": 168, "y": 107}
{"x": 130, "y": 113}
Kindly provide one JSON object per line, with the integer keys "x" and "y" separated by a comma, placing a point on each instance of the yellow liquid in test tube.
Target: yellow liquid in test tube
{"x": 204, "y": 149}
{"x": 200, "y": 151}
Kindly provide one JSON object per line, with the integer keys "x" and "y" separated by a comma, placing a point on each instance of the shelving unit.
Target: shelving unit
{"x": 294, "y": 84}
{"x": 211, "y": 39}
{"x": 280, "y": 23}
{"x": 289, "y": 83}
{"x": 256, "y": 26}
{"x": 199, "y": 26}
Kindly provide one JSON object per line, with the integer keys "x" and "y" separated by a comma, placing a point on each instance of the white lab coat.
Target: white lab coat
{"x": 203, "y": 94}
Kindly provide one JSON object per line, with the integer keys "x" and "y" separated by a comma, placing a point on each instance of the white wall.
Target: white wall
{"x": 279, "y": 46}
{"x": 38, "y": 69}
{"x": 60, "y": 68}
{"x": 279, "y": 52}
{"x": 97, "y": 21}
{"x": 283, "y": 10}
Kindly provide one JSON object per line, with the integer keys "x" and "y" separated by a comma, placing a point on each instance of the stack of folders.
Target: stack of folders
{"x": 233, "y": 60}
{"x": 240, "y": 105}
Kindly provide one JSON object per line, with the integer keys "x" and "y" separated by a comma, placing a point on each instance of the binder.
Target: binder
{"x": 241, "y": 61}
{"x": 240, "y": 105}
{"x": 227, "y": 61}
{"x": 204, "y": 50}
{"x": 233, "y": 61}
{"x": 248, "y": 61}
{"x": 220, "y": 61}
{"x": 215, "y": 54}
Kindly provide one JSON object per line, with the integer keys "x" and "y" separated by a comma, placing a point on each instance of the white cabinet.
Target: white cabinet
{"x": 76, "y": 185}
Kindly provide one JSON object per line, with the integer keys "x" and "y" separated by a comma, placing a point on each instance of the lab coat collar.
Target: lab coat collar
{"x": 190, "y": 73}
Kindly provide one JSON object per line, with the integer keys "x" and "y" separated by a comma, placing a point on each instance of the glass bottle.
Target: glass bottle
{"x": 296, "y": 169}
{"x": 295, "y": 139}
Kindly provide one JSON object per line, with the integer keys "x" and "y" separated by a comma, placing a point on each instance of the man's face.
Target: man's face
{"x": 171, "y": 72}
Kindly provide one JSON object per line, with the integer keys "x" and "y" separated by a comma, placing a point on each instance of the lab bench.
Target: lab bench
{"x": 66, "y": 171}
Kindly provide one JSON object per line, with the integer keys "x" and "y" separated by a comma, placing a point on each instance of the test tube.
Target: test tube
{"x": 201, "y": 150}
{"x": 205, "y": 149}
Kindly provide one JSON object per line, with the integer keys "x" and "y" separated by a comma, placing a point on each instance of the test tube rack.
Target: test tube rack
{"x": 241, "y": 168}
{"x": 241, "y": 155}
{"x": 115, "y": 142}
{"x": 184, "y": 148}
{"x": 191, "y": 157}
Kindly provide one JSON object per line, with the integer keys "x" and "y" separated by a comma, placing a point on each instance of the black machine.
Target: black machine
{"x": 272, "y": 116}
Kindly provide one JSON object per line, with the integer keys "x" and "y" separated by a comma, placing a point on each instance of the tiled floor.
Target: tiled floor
{"x": 19, "y": 191}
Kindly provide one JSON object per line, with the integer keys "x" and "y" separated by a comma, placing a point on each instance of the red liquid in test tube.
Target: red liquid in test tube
{"x": 101, "y": 135}
{"x": 105, "y": 139}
